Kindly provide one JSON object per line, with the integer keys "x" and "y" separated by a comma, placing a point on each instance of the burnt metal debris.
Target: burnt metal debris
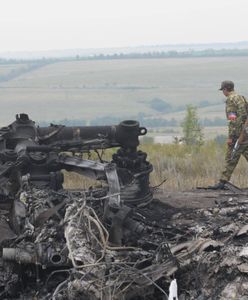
{"x": 113, "y": 241}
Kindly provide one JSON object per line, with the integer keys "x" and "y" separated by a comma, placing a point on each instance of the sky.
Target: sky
{"x": 37, "y": 25}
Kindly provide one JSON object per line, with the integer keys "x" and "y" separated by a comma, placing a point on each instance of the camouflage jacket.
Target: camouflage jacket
{"x": 236, "y": 113}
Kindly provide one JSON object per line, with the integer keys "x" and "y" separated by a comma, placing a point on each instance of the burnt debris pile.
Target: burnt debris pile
{"x": 113, "y": 241}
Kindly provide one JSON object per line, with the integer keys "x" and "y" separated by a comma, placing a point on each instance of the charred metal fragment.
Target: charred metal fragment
{"x": 110, "y": 242}
{"x": 41, "y": 234}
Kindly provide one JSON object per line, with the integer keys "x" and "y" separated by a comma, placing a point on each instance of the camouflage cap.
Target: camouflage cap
{"x": 227, "y": 84}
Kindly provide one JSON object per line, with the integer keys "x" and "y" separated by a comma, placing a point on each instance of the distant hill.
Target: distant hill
{"x": 127, "y": 50}
{"x": 155, "y": 91}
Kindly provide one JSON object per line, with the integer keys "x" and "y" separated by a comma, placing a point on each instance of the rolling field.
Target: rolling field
{"x": 123, "y": 88}
{"x": 89, "y": 89}
{"x": 8, "y": 68}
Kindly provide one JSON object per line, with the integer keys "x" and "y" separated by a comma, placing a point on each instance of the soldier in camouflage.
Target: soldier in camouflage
{"x": 236, "y": 113}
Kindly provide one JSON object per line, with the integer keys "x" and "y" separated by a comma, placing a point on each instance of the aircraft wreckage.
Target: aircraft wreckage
{"x": 117, "y": 241}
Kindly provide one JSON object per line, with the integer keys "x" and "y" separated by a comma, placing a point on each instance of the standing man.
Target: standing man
{"x": 236, "y": 113}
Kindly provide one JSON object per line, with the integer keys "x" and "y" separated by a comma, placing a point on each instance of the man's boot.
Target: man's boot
{"x": 218, "y": 186}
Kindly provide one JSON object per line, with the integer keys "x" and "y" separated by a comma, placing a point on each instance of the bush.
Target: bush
{"x": 160, "y": 105}
{"x": 192, "y": 130}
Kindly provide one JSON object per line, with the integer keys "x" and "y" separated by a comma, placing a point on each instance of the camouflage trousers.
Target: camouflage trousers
{"x": 230, "y": 164}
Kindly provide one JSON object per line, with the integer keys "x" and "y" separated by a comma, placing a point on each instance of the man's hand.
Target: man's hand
{"x": 229, "y": 142}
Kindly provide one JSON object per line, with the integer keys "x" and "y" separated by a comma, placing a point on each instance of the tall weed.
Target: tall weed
{"x": 185, "y": 167}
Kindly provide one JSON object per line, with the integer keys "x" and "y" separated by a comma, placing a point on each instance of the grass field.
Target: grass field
{"x": 8, "y": 68}
{"x": 123, "y": 88}
{"x": 89, "y": 89}
{"x": 184, "y": 167}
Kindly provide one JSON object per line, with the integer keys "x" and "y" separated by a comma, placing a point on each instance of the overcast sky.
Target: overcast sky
{"x": 68, "y": 24}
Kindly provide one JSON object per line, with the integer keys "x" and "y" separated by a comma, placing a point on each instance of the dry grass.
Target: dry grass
{"x": 187, "y": 167}
{"x": 184, "y": 167}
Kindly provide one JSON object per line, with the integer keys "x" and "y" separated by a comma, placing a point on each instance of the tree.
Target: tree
{"x": 192, "y": 130}
{"x": 160, "y": 105}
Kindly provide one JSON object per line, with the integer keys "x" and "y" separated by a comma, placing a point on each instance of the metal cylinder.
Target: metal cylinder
{"x": 126, "y": 134}
{"x": 9, "y": 254}
{"x": 56, "y": 259}
{"x": 19, "y": 255}
{"x": 135, "y": 189}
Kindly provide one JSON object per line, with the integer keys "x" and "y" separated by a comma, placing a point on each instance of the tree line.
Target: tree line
{"x": 170, "y": 54}
{"x": 190, "y": 53}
